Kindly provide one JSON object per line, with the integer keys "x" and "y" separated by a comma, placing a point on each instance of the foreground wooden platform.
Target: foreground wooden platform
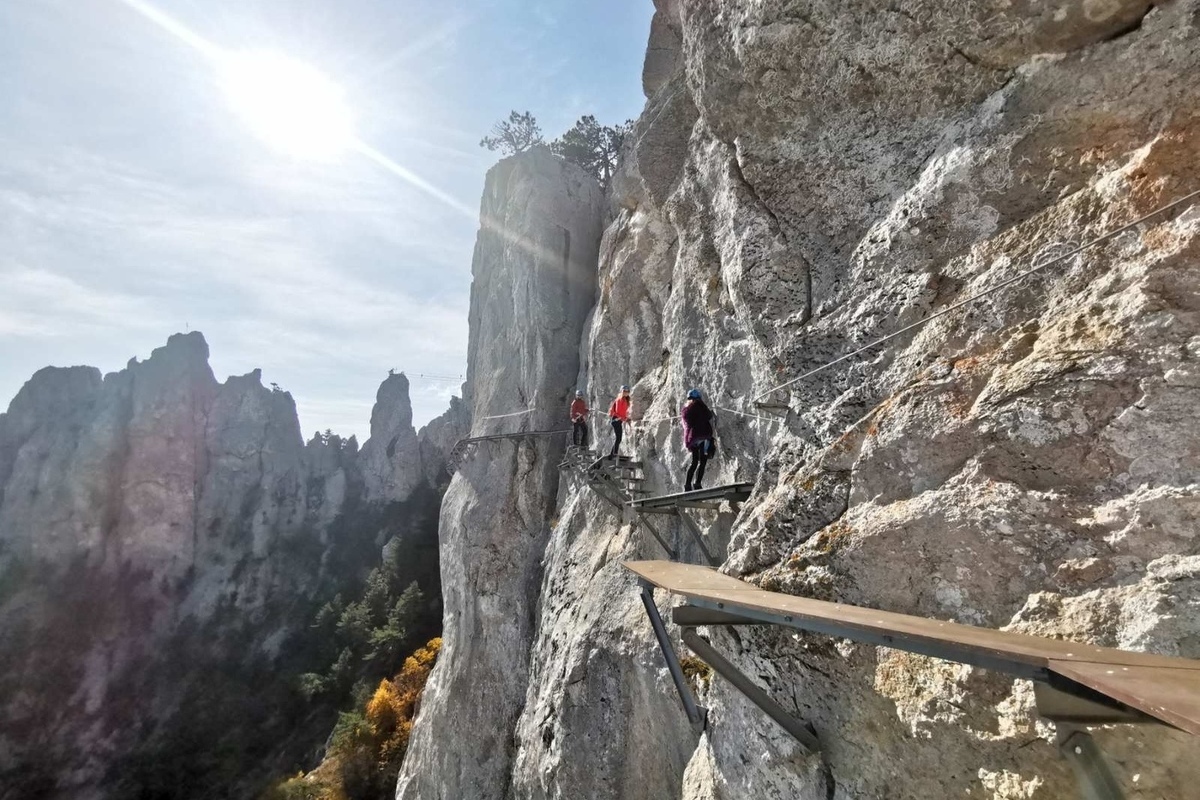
{"x": 1153, "y": 687}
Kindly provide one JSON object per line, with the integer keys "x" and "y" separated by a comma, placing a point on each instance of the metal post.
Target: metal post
{"x": 695, "y": 713}
{"x": 1096, "y": 779}
{"x": 798, "y": 729}
{"x": 671, "y": 553}
{"x": 694, "y": 530}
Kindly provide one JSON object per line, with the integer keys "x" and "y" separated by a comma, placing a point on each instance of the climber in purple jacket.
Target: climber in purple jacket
{"x": 698, "y": 437}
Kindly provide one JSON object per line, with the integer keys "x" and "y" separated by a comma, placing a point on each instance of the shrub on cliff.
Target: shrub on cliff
{"x": 593, "y": 146}
{"x": 368, "y": 745}
{"x": 516, "y": 134}
{"x": 588, "y": 144}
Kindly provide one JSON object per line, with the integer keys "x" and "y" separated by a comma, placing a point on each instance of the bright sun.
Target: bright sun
{"x": 289, "y": 104}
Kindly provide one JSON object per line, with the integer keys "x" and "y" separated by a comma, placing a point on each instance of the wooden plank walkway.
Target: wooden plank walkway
{"x": 1162, "y": 687}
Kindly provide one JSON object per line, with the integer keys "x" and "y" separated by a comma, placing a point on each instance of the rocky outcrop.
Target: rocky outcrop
{"x": 391, "y": 459}
{"x": 534, "y": 283}
{"x": 807, "y": 178}
{"x": 157, "y": 527}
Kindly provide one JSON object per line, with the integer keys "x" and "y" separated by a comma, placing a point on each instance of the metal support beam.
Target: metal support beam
{"x": 692, "y": 616}
{"x": 603, "y": 492}
{"x": 798, "y": 729}
{"x": 998, "y": 663}
{"x": 671, "y": 552}
{"x": 1096, "y": 779}
{"x": 694, "y": 530}
{"x": 695, "y": 713}
{"x": 1083, "y": 706}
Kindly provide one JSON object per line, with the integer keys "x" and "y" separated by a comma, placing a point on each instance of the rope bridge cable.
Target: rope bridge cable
{"x": 984, "y": 292}
{"x": 436, "y": 377}
{"x": 604, "y": 415}
{"x": 775, "y": 420}
{"x": 460, "y": 451}
{"x": 506, "y": 416}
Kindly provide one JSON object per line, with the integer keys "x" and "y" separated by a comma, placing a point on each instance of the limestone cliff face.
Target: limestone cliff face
{"x": 156, "y": 524}
{"x": 534, "y": 283}
{"x": 807, "y": 178}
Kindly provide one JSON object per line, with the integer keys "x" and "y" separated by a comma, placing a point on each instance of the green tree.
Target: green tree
{"x": 328, "y": 615}
{"x": 516, "y": 134}
{"x": 354, "y": 626}
{"x": 390, "y": 639}
{"x": 593, "y": 146}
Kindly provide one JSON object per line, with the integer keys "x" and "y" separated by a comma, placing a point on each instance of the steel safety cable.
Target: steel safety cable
{"x": 506, "y": 416}
{"x": 775, "y": 420}
{"x": 983, "y": 293}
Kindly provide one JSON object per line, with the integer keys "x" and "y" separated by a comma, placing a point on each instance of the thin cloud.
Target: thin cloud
{"x": 436, "y": 42}
{"x": 79, "y": 310}
{"x": 267, "y": 286}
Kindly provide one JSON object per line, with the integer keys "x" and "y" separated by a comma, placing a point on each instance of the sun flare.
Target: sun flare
{"x": 290, "y": 105}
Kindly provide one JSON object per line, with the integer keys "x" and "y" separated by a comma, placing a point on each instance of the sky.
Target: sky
{"x": 134, "y": 203}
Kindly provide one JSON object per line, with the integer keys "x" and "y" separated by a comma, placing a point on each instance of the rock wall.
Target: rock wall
{"x": 156, "y": 526}
{"x": 534, "y": 283}
{"x": 808, "y": 177}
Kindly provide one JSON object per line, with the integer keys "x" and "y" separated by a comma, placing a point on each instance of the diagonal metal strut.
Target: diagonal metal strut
{"x": 695, "y": 714}
{"x": 799, "y": 730}
{"x": 690, "y": 525}
{"x": 1095, "y": 776}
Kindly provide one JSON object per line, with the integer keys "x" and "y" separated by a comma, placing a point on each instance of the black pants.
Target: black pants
{"x": 618, "y": 433}
{"x": 579, "y": 434}
{"x": 696, "y": 470}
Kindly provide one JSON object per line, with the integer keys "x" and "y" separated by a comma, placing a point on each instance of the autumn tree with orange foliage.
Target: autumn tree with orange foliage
{"x": 368, "y": 748}
{"x": 392, "y": 709}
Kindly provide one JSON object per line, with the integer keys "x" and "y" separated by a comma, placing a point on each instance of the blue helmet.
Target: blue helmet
{"x": 693, "y": 394}
{"x": 625, "y": 387}
{"x": 579, "y": 392}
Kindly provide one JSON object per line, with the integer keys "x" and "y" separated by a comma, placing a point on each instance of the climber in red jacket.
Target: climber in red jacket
{"x": 579, "y": 413}
{"x": 618, "y": 415}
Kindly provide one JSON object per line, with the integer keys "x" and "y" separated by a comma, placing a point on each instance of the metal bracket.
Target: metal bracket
{"x": 1096, "y": 779}
{"x": 672, "y": 553}
{"x": 690, "y": 525}
{"x": 603, "y": 492}
{"x": 692, "y": 616}
{"x": 800, "y": 731}
{"x": 695, "y": 714}
{"x": 1081, "y": 705}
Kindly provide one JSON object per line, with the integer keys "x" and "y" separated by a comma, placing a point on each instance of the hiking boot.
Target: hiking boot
{"x": 687, "y": 487}
{"x": 697, "y": 487}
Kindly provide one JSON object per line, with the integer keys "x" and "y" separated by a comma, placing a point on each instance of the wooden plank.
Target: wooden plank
{"x": 1169, "y": 694}
{"x": 704, "y": 583}
{"x": 683, "y": 578}
{"x": 1164, "y": 687}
